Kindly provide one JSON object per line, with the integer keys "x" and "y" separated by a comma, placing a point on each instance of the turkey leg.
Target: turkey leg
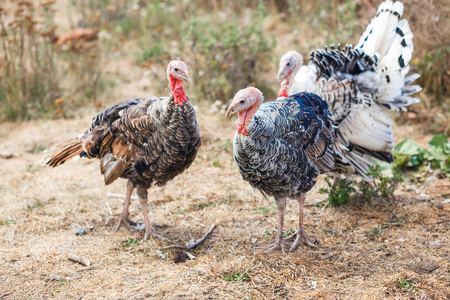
{"x": 142, "y": 195}
{"x": 280, "y": 243}
{"x": 301, "y": 234}
{"x": 123, "y": 216}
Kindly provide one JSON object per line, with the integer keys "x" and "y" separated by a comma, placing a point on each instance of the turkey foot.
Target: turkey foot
{"x": 281, "y": 245}
{"x": 123, "y": 216}
{"x": 127, "y": 223}
{"x": 150, "y": 230}
{"x": 142, "y": 195}
{"x": 301, "y": 234}
{"x": 301, "y": 238}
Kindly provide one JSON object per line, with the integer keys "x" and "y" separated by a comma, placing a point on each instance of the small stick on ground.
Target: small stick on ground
{"x": 192, "y": 246}
{"x": 4, "y": 295}
{"x": 342, "y": 249}
{"x": 79, "y": 259}
{"x": 442, "y": 222}
{"x": 317, "y": 202}
{"x": 111, "y": 215}
{"x": 113, "y": 195}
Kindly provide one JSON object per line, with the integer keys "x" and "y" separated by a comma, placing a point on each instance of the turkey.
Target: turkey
{"x": 146, "y": 141}
{"x": 361, "y": 85}
{"x": 280, "y": 148}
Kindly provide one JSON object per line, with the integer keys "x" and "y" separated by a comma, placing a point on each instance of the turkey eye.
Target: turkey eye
{"x": 242, "y": 101}
{"x": 288, "y": 64}
{"x": 176, "y": 70}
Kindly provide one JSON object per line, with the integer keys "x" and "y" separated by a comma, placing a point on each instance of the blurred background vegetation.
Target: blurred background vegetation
{"x": 58, "y": 56}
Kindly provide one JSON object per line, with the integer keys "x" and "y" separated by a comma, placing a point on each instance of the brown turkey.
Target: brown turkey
{"x": 147, "y": 141}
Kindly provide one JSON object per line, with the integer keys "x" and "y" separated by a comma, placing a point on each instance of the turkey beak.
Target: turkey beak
{"x": 281, "y": 74}
{"x": 239, "y": 104}
{"x": 232, "y": 111}
{"x": 186, "y": 76}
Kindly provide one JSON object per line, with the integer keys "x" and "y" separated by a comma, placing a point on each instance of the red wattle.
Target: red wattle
{"x": 283, "y": 93}
{"x": 176, "y": 86}
{"x": 242, "y": 129}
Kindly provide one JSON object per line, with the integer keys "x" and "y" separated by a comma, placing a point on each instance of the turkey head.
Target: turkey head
{"x": 177, "y": 72}
{"x": 290, "y": 63}
{"x": 245, "y": 103}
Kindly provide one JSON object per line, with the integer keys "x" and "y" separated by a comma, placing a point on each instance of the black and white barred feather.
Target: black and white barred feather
{"x": 362, "y": 83}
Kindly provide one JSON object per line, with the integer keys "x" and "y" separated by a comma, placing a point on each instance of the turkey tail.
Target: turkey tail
{"x": 388, "y": 40}
{"x": 64, "y": 151}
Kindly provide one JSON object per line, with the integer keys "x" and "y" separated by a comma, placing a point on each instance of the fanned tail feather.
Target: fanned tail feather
{"x": 389, "y": 40}
{"x": 64, "y": 151}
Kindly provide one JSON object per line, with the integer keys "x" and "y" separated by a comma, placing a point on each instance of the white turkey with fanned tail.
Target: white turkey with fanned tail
{"x": 361, "y": 85}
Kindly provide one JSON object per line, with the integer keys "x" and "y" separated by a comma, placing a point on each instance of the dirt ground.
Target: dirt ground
{"x": 47, "y": 206}
{"x": 394, "y": 250}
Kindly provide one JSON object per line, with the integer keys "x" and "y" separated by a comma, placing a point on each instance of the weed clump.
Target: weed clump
{"x": 235, "y": 277}
{"x": 28, "y": 74}
{"x": 411, "y": 162}
{"x": 346, "y": 190}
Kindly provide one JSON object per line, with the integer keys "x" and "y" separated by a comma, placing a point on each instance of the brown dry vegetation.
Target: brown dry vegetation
{"x": 366, "y": 251}
{"x": 353, "y": 261}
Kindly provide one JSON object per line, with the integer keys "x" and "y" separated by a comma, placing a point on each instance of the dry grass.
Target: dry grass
{"x": 366, "y": 251}
{"x": 49, "y": 205}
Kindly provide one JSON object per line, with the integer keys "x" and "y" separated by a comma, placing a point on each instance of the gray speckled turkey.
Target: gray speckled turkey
{"x": 281, "y": 147}
{"x": 146, "y": 141}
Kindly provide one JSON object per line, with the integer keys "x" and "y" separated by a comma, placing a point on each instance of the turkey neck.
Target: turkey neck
{"x": 245, "y": 117}
{"x": 176, "y": 86}
{"x": 286, "y": 83}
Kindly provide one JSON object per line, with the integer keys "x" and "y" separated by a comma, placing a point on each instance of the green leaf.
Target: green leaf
{"x": 408, "y": 146}
{"x": 440, "y": 142}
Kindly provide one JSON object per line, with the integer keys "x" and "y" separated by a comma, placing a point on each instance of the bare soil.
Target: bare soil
{"x": 382, "y": 250}
{"x": 49, "y": 205}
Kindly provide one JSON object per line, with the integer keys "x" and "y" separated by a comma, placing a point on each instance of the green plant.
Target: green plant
{"x": 330, "y": 231}
{"x": 36, "y": 203}
{"x": 406, "y": 283}
{"x": 347, "y": 190}
{"x": 409, "y": 156}
{"x": 374, "y": 232}
{"x": 380, "y": 188}
{"x": 29, "y": 81}
{"x": 41, "y": 76}
{"x": 263, "y": 210}
{"x": 339, "y": 194}
{"x": 229, "y": 197}
{"x": 8, "y": 222}
{"x": 433, "y": 69}
{"x": 227, "y": 54}
{"x": 238, "y": 276}
{"x": 286, "y": 233}
{"x": 289, "y": 232}
{"x": 130, "y": 243}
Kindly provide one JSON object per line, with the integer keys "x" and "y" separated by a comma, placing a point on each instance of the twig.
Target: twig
{"x": 113, "y": 195}
{"x": 5, "y": 155}
{"x": 111, "y": 215}
{"x": 109, "y": 208}
{"x": 192, "y": 246}
{"x": 6, "y": 294}
{"x": 79, "y": 259}
{"x": 317, "y": 202}
{"x": 442, "y": 222}
{"x": 342, "y": 249}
